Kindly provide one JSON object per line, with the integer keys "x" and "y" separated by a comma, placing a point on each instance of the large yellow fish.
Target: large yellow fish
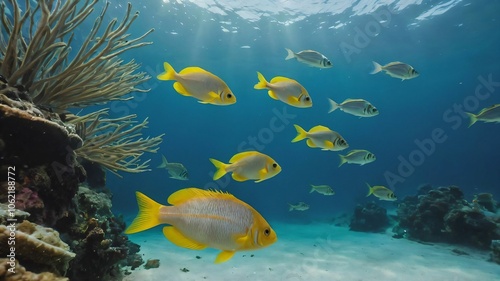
{"x": 322, "y": 137}
{"x": 286, "y": 90}
{"x": 201, "y": 218}
{"x": 248, "y": 165}
{"x": 200, "y": 84}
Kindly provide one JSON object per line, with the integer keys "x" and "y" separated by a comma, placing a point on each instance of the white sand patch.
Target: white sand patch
{"x": 317, "y": 252}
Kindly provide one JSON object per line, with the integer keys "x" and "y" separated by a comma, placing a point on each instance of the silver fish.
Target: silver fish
{"x": 488, "y": 115}
{"x": 357, "y": 156}
{"x": 396, "y": 69}
{"x": 322, "y": 189}
{"x": 356, "y": 107}
{"x": 310, "y": 57}
{"x": 301, "y": 206}
{"x": 176, "y": 170}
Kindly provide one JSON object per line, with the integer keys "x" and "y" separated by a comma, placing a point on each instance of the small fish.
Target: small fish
{"x": 322, "y": 189}
{"x": 286, "y": 90}
{"x": 248, "y": 165}
{"x": 381, "y": 192}
{"x": 488, "y": 115}
{"x": 396, "y": 69}
{"x": 200, "y": 84}
{"x": 202, "y": 218}
{"x": 301, "y": 206}
{"x": 356, "y": 107}
{"x": 310, "y": 57}
{"x": 322, "y": 137}
{"x": 357, "y": 156}
{"x": 176, "y": 170}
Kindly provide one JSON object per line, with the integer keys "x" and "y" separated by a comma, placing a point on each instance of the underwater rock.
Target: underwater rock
{"x": 470, "y": 227}
{"x": 37, "y": 246}
{"x": 96, "y": 177}
{"x": 21, "y": 274}
{"x": 369, "y": 218}
{"x": 152, "y": 263}
{"x": 495, "y": 251}
{"x": 5, "y": 213}
{"x": 486, "y": 201}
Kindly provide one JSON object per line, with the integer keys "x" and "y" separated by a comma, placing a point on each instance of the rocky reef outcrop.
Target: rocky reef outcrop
{"x": 369, "y": 218}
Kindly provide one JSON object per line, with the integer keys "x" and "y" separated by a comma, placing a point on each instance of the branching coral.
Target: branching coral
{"x": 35, "y": 51}
{"x": 116, "y": 143}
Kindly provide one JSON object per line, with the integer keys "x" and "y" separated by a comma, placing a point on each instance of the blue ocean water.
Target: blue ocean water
{"x": 419, "y": 137}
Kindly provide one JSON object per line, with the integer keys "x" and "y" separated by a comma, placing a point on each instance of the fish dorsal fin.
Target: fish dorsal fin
{"x": 272, "y": 95}
{"x": 241, "y": 155}
{"x": 280, "y": 79}
{"x": 185, "y": 194}
{"x": 224, "y": 256}
{"x": 181, "y": 90}
{"x": 177, "y": 238}
{"x": 319, "y": 128}
{"x": 193, "y": 69}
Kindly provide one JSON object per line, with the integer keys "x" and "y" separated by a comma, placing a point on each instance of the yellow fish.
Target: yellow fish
{"x": 248, "y": 165}
{"x": 200, "y": 84}
{"x": 381, "y": 192}
{"x": 286, "y": 90}
{"x": 201, "y": 218}
{"x": 322, "y": 137}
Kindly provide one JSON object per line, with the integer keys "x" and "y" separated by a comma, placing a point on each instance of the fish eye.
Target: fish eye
{"x": 308, "y": 98}
{"x": 275, "y": 165}
{"x": 375, "y": 110}
{"x": 229, "y": 95}
{"x": 267, "y": 231}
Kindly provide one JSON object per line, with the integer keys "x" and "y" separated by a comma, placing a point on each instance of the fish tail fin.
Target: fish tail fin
{"x": 343, "y": 160}
{"x": 169, "y": 73}
{"x": 301, "y": 133}
{"x": 473, "y": 118}
{"x": 148, "y": 216}
{"x": 221, "y": 168}
{"x": 376, "y": 68}
{"x": 164, "y": 162}
{"x": 290, "y": 54}
{"x": 312, "y": 189}
{"x": 290, "y": 208}
{"x": 370, "y": 190}
{"x": 333, "y": 105}
{"x": 262, "y": 82}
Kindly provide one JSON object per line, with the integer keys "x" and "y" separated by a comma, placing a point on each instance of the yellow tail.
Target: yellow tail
{"x": 301, "y": 133}
{"x": 169, "y": 73}
{"x": 221, "y": 168}
{"x": 473, "y": 118}
{"x": 370, "y": 190}
{"x": 148, "y": 216}
{"x": 262, "y": 82}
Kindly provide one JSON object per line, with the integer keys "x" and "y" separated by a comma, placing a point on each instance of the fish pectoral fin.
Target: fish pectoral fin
{"x": 238, "y": 177}
{"x": 241, "y": 239}
{"x": 177, "y": 238}
{"x": 329, "y": 144}
{"x": 212, "y": 96}
{"x": 181, "y": 90}
{"x": 224, "y": 256}
{"x": 292, "y": 100}
{"x": 310, "y": 143}
{"x": 263, "y": 173}
{"x": 272, "y": 95}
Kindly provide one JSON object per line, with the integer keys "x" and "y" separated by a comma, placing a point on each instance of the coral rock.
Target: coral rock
{"x": 20, "y": 273}
{"x": 152, "y": 263}
{"x": 369, "y": 218}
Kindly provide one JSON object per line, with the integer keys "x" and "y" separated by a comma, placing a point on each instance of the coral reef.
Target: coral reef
{"x": 17, "y": 215}
{"x": 443, "y": 215}
{"x": 37, "y": 246}
{"x": 21, "y": 274}
{"x": 369, "y": 218}
{"x": 495, "y": 251}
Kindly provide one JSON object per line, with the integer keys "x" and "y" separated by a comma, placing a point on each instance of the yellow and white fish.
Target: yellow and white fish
{"x": 309, "y": 57}
{"x": 357, "y": 156}
{"x": 176, "y": 170}
{"x": 381, "y": 192}
{"x": 356, "y": 107}
{"x": 200, "y": 84}
{"x": 248, "y": 165}
{"x": 322, "y": 137}
{"x": 286, "y": 90}
{"x": 301, "y": 206}
{"x": 322, "y": 189}
{"x": 396, "y": 69}
{"x": 202, "y": 219}
{"x": 488, "y": 115}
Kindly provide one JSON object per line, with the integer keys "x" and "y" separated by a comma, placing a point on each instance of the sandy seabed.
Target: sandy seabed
{"x": 317, "y": 252}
